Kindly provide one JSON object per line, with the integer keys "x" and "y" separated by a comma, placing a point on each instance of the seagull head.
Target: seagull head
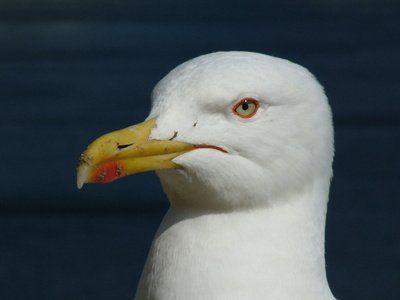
{"x": 227, "y": 130}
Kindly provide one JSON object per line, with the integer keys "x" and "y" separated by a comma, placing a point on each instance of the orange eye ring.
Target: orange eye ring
{"x": 246, "y": 108}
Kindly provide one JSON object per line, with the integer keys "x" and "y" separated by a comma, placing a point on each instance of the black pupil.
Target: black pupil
{"x": 245, "y": 106}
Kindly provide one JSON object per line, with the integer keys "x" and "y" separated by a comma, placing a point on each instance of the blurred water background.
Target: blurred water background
{"x": 73, "y": 70}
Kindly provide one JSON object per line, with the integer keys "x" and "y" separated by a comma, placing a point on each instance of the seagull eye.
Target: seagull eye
{"x": 246, "y": 108}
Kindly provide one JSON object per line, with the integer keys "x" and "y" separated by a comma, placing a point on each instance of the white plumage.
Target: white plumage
{"x": 243, "y": 145}
{"x": 248, "y": 223}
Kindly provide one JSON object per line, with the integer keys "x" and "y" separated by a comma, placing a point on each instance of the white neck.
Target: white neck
{"x": 269, "y": 253}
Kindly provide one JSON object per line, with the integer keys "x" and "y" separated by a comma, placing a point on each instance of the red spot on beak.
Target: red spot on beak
{"x": 108, "y": 172}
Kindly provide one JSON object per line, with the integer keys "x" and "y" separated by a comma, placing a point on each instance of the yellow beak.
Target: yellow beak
{"x": 127, "y": 151}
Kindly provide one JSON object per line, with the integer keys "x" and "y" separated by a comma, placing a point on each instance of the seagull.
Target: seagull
{"x": 242, "y": 143}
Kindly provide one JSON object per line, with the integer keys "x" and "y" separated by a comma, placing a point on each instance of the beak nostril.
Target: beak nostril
{"x": 120, "y": 147}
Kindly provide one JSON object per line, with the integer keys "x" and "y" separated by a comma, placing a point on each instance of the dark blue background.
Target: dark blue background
{"x": 73, "y": 70}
